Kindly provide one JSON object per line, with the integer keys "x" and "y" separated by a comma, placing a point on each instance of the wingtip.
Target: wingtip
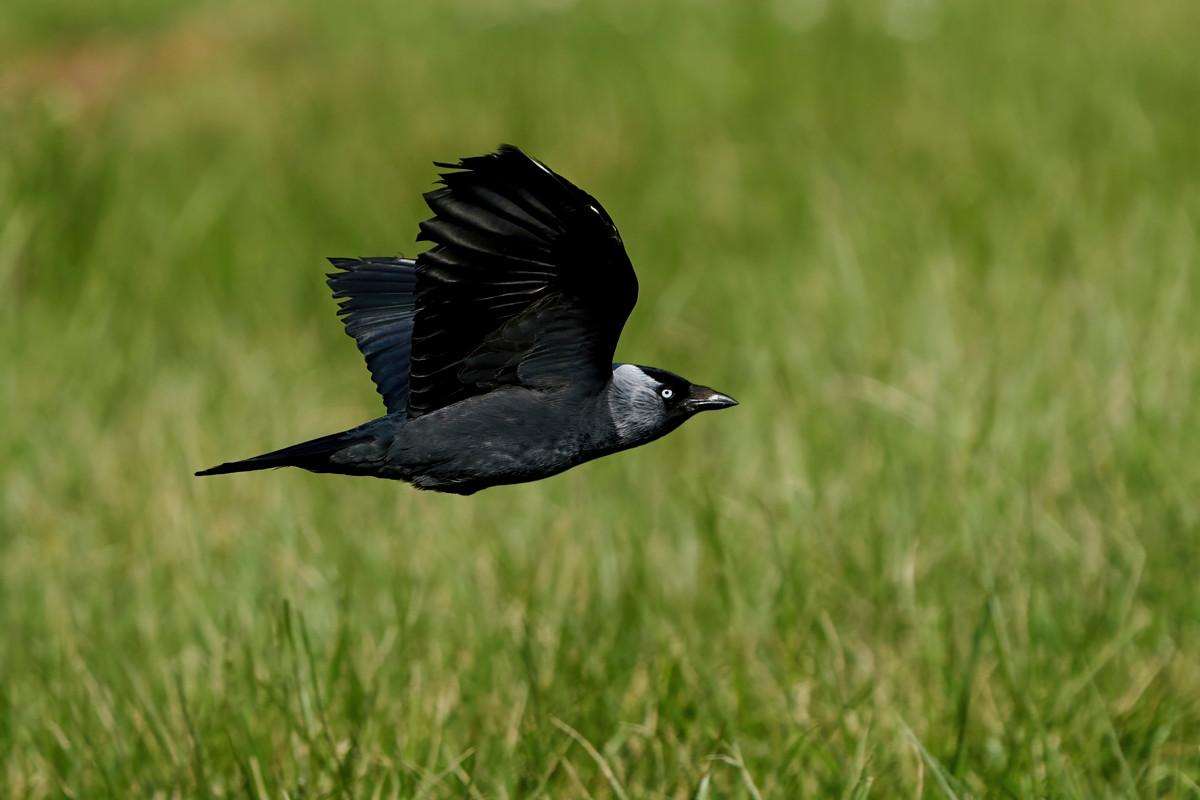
{"x": 503, "y": 151}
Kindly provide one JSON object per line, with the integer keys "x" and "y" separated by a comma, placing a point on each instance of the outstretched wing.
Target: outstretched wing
{"x": 377, "y": 303}
{"x": 527, "y": 284}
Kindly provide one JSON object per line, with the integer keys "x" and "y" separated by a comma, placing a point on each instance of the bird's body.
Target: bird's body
{"x": 511, "y": 435}
{"x": 493, "y": 350}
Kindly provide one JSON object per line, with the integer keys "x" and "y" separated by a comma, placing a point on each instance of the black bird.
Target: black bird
{"x": 493, "y": 350}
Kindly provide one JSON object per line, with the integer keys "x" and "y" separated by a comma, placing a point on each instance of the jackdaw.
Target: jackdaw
{"x": 493, "y": 350}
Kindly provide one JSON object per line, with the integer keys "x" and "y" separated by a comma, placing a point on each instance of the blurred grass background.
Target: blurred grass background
{"x": 944, "y": 253}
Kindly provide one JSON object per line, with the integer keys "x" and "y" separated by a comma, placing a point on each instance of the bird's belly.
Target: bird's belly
{"x": 476, "y": 457}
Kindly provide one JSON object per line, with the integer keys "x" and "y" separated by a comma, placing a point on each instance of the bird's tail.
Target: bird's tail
{"x": 313, "y": 455}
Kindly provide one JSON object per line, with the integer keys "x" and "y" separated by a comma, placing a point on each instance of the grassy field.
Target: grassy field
{"x": 946, "y": 255}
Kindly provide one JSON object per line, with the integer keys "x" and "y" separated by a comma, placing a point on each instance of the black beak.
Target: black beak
{"x": 702, "y": 398}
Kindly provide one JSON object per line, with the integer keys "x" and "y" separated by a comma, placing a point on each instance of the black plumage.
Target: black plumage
{"x": 526, "y": 271}
{"x": 377, "y": 306}
{"x": 493, "y": 350}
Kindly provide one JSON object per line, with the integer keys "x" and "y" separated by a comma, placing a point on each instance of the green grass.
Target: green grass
{"x": 946, "y": 255}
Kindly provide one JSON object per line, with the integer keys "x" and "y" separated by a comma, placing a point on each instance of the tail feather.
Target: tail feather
{"x": 312, "y": 455}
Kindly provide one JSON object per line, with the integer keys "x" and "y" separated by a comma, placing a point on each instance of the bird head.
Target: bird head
{"x": 647, "y": 402}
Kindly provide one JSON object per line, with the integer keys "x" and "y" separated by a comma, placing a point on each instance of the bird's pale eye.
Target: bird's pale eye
{"x": 667, "y": 394}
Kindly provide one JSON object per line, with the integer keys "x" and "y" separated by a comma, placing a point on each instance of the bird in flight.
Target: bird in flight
{"x": 493, "y": 350}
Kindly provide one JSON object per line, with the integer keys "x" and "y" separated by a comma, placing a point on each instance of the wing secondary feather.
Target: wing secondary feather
{"x": 377, "y": 304}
